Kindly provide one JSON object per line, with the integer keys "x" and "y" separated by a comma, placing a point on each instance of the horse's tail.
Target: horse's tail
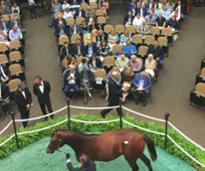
{"x": 151, "y": 148}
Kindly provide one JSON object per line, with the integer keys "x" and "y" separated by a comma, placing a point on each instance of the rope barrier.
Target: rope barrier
{"x": 6, "y": 127}
{"x": 8, "y": 139}
{"x": 143, "y": 115}
{"x": 144, "y": 129}
{"x": 41, "y": 117}
{"x": 186, "y": 137}
{"x": 93, "y": 108}
{"x": 186, "y": 153}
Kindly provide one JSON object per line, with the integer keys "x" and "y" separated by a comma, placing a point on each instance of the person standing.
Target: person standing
{"x": 32, "y": 7}
{"x": 42, "y": 89}
{"x": 23, "y": 99}
{"x": 114, "y": 93}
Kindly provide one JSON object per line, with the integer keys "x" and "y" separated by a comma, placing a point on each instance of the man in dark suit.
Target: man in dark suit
{"x": 77, "y": 49}
{"x": 64, "y": 51}
{"x": 74, "y": 29}
{"x": 4, "y": 97}
{"x": 128, "y": 18}
{"x": 23, "y": 99}
{"x": 41, "y": 89}
{"x": 114, "y": 93}
{"x": 4, "y": 73}
{"x": 90, "y": 49}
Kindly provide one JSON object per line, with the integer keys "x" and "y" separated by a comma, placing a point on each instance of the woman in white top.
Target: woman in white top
{"x": 151, "y": 65}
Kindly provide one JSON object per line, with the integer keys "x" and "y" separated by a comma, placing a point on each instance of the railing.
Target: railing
{"x": 121, "y": 121}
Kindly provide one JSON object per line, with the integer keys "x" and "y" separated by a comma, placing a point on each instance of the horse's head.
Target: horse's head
{"x": 56, "y": 142}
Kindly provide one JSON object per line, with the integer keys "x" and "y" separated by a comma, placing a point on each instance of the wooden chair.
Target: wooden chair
{"x": 80, "y": 20}
{"x": 63, "y": 39}
{"x": 69, "y": 21}
{"x": 99, "y": 12}
{"x": 117, "y": 49}
{"x": 119, "y": 28}
{"x": 200, "y": 78}
{"x": 74, "y": 38}
{"x": 155, "y": 31}
{"x": 57, "y": 14}
{"x": 15, "y": 57}
{"x": 137, "y": 39}
{"x": 83, "y": 6}
{"x": 5, "y": 18}
{"x": 3, "y": 48}
{"x": 149, "y": 40}
{"x": 108, "y": 28}
{"x": 14, "y": 16}
{"x": 197, "y": 96}
{"x": 131, "y": 29}
{"x": 13, "y": 85}
{"x": 93, "y": 5}
{"x": 101, "y": 20}
{"x": 15, "y": 45}
{"x": 3, "y": 59}
{"x": 109, "y": 61}
{"x": 100, "y": 78}
{"x": 166, "y": 32}
{"x": 16, "y": 71}
{"x": 143, "y": 51}
{"x": 163, "y": 41}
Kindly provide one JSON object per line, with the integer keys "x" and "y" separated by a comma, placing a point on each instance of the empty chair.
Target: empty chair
{"x": 3, "y": 59}
{"x": 3, "y": 48}
{"x": 15, "y": 57}
{"x": 201, "y": 76}
{"x": 5, "y": 18}
{"x": 137, "y": 39}
{"x": 16, "y": 71}
{"x": 83, "y": 6}
{"x": 101, "y": 20}
{"x": 119, "y": 28}
{"x": 99, "y": 12}
{"x": 155, "y": 31}
{"x": 13, "y": 85}
{"x": 80, "y": 20}
{"x": 166, "y": 32}
{"x": 131, "y": 29}
{"x": 74, "y": 38}
{"x": 163, "y": 42}
{"x": 15, "y": 45}
{"x": 149, "y": 40}
{"x": 109, "y": 62}
{"x": 197, "y": 96}
{"x": 93, "y": 5}
{"x": 69, "y": 21}
{"x": 108, "y": 28}
{"x": 142, "y": 51}
{"x": 117, "y": 49}
{"x": 63, "y": 39}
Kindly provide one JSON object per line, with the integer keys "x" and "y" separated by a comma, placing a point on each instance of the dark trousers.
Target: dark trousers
{"x": 106, "y": 111}
{"x": 43, "y": 106}
{"x": 33, "y": 12}
{"x": 139, "y": 96}
{"x": 24, "y": 115}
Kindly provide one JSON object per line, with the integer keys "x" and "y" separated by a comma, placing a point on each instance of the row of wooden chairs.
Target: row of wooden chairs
{"x": 14, "y": 57}
{"x": 6, "y": 17}
{"x": 13, "y": 45}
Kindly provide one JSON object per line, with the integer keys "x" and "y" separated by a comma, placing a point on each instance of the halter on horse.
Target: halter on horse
{"x": 106, "y": 146}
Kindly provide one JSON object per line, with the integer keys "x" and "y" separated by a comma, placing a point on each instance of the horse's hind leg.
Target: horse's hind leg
{"x": 133, "y": 164}
{"x": 146, "y": 161}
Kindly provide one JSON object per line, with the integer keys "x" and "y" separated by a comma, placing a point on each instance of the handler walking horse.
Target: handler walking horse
{"x": 106, "y": 146}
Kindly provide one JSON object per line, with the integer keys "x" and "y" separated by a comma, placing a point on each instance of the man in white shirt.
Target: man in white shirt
{"x": 32, "y": 7}
{"x": 138, "y": 20}
{"x": 15, "y": 34}
{"x": 65, "y": 5}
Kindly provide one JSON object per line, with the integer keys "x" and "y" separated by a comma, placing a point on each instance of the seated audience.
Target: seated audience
{"x": 135, "y": 63}
{"x": 129, "y": 49}
{"x": 122, "y": 62}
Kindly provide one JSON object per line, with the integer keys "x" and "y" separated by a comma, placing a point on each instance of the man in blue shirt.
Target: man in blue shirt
{"x": 129, "y": 49}
{"x": 141, "y": 87}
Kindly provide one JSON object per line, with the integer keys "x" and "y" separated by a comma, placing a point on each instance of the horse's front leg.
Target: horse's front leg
{"x": 133, "y": 164}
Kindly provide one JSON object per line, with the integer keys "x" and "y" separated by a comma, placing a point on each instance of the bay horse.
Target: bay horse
{"x": 106, "y": 146}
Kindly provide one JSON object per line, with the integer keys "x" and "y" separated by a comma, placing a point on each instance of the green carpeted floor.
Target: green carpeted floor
{"x": 35, "y": 158}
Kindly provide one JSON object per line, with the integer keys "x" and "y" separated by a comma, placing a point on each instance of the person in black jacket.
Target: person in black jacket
{"x": 23, "y": 99}
{"x": 42, "y": 89}
{"x": 114, "y": 93}
{"x": 86, "y": 164}
{"x": 4, "y": 98}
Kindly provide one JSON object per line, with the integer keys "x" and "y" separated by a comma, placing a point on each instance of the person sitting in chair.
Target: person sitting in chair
{"x": 86, "y": 163}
